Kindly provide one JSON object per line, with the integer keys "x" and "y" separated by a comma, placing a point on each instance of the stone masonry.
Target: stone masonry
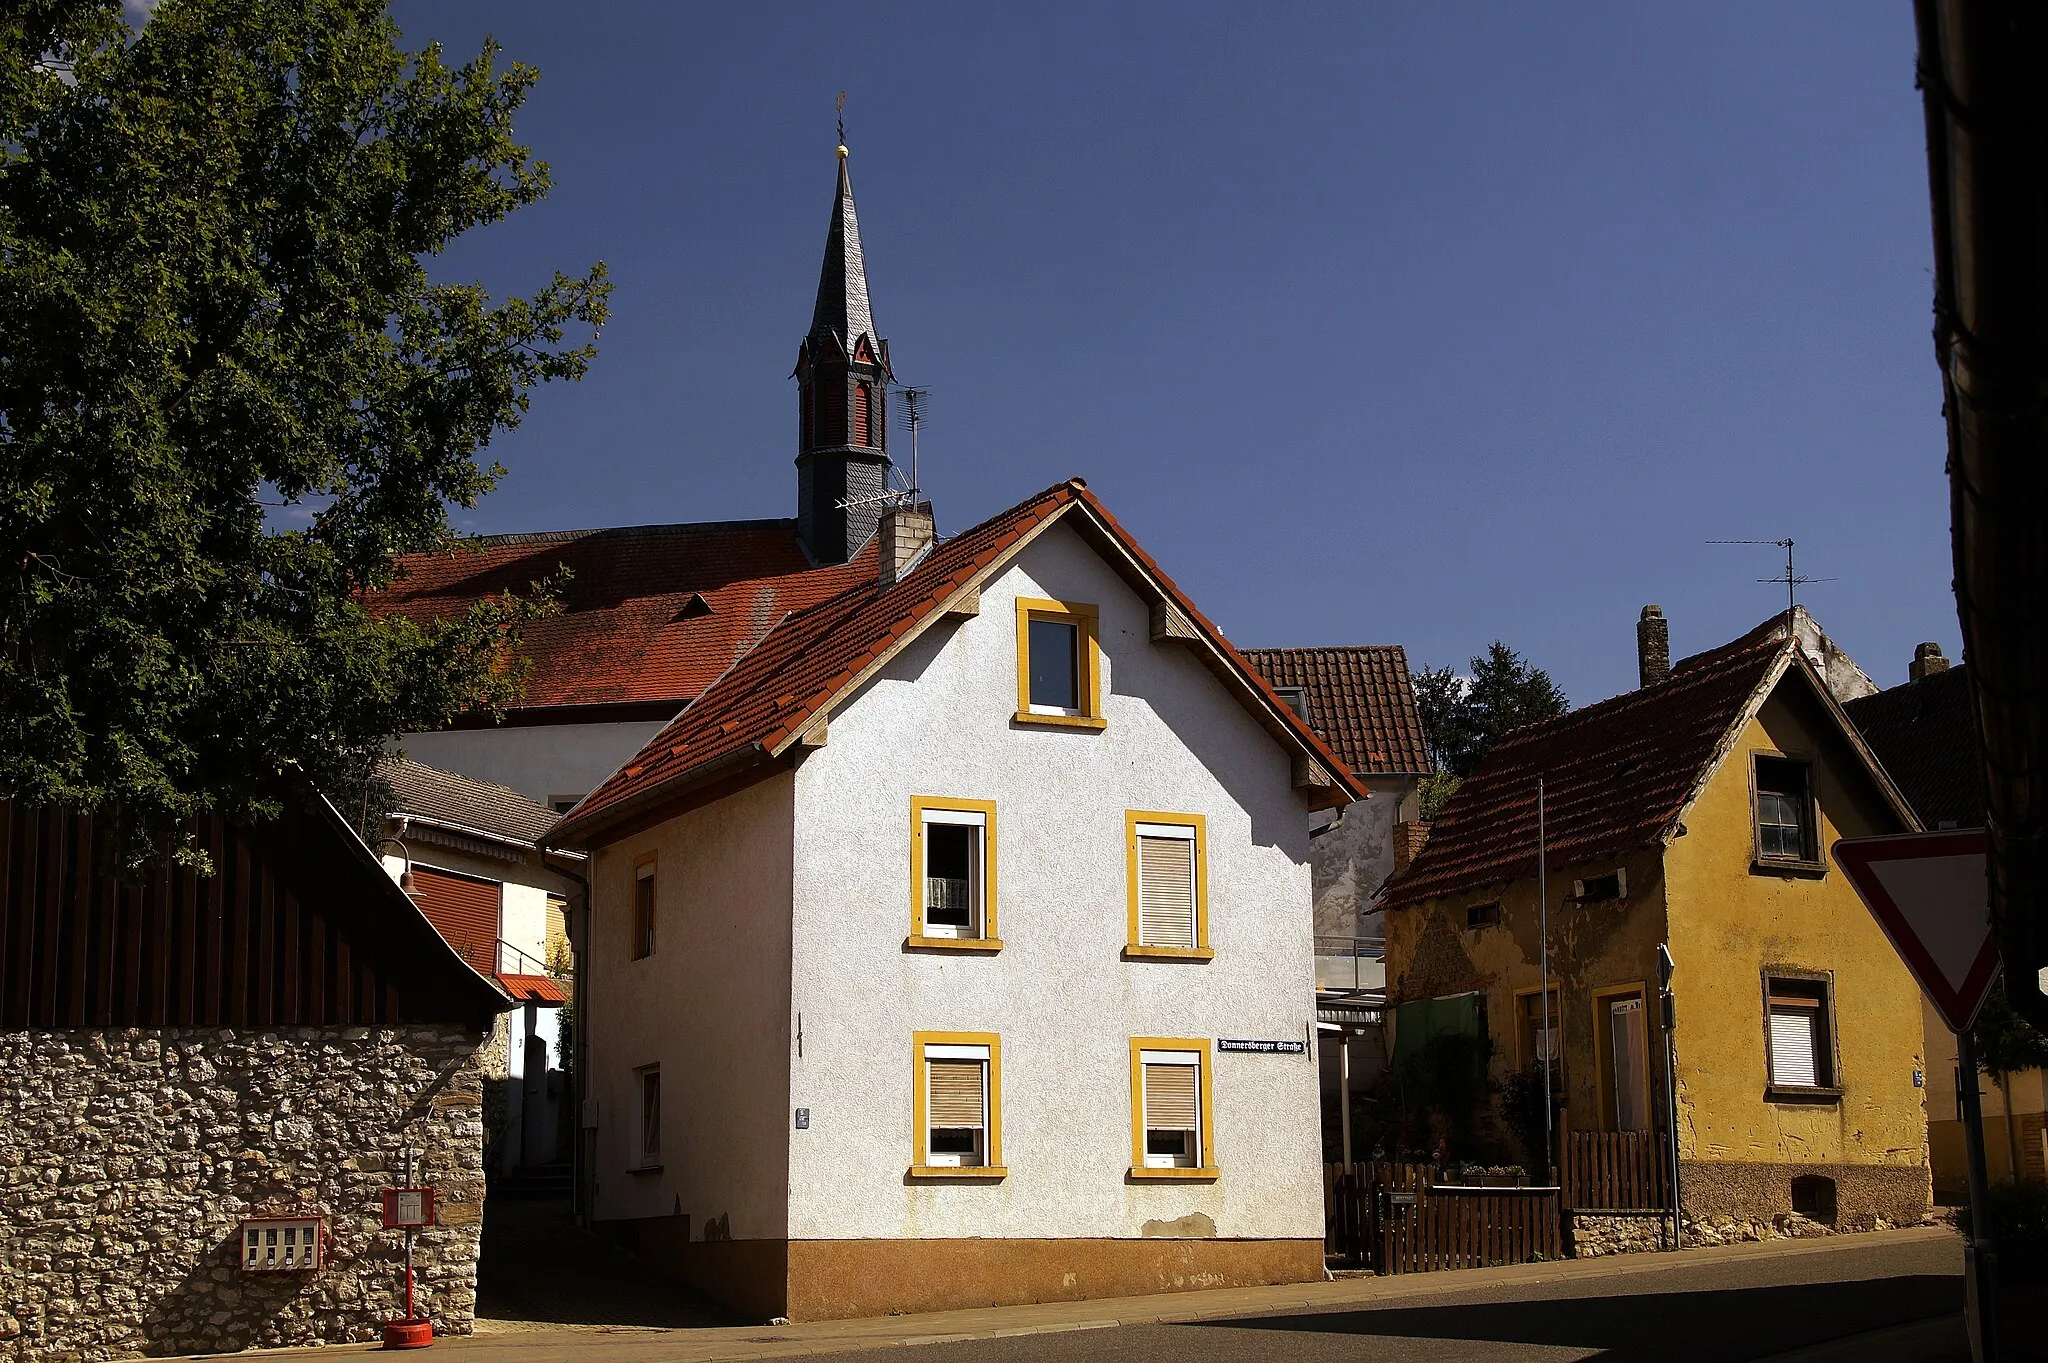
{"x": 128, "y": 1159}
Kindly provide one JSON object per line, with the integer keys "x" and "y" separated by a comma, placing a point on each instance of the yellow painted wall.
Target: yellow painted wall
{"x": 1728, "y": 922}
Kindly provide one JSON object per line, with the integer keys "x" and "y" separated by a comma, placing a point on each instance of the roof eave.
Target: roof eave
{"x": 574, "y": 833}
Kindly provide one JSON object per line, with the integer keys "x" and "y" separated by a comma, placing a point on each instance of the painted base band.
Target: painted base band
{"x": 1900, "y": 1194}
{"x": 841, "y": 1279}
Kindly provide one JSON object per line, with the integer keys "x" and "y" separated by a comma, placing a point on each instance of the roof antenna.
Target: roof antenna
{"x": 913, "y": 417}
{"x": 1791, "y": 580}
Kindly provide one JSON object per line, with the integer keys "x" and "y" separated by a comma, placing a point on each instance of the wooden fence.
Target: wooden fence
{"x": 1615, "y": 1170}
{"x": 1396, "y": 1218}
{"x": 1446, "y": 1227}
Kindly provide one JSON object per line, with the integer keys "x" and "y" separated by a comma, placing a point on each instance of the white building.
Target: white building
{"x": 467, "y": 852}
{"x": 955, "y": 947}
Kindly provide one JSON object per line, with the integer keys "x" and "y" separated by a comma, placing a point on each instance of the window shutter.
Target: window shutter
{"x": 466, "y": 912}
{"x": 1795, "y": 1046}
{"x": 1170, "y": 1101}
{"x": 956, "y": 1093}
{"x": 1166, "y": 891}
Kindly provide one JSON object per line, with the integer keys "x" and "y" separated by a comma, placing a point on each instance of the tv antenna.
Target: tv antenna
{"x": 897, "y": 490}
{"x": 1793, "y": 582}
{"x": 913, "y": 417}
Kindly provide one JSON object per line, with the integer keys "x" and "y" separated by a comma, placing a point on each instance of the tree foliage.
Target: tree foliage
{"x": 2007, "y": 1043}
{"x": 1463, "y": 717}
{"x": 230, "y": 392}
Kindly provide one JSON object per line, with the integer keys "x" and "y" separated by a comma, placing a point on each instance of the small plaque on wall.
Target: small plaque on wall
{"x": 1243, "y": 1047}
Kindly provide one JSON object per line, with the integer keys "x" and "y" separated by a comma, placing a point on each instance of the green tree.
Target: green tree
{"x": 2007, "y": 1043}
{"x": 230, "y": 392}
{"x": 1462, "y": 718}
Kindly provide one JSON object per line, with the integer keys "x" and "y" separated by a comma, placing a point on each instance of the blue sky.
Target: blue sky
{"x": 1424, "y": 324}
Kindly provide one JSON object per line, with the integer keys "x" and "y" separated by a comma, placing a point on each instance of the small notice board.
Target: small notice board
{"x": 408, "y": 1208}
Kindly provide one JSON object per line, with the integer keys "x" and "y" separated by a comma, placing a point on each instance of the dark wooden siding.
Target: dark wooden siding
{"x": 295, "y": 927}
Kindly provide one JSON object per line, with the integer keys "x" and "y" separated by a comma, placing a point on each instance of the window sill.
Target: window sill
{"x": 954, "y": 1173}
{"x": 986, "y": 946}
{"x": 1060, "y": 721}
{"x": 1135, "y": 951}
{"x": 644, "y": 1169}
{"x": 1206, "y": 1174}
{"x": 1779, "y": 1093}
{"x": 1770, "y": 866}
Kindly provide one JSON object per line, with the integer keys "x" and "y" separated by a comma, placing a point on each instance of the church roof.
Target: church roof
{"x": 651, "y": 614}
{"x": 812, "y": 660}
{"x": 842, "y": 309}
{"x": 1359, "y": 698}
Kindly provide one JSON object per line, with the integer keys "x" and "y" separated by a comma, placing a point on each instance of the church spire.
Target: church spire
{"x": 842, "y": 372}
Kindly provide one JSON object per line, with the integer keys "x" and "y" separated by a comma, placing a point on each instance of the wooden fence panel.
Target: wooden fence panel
{"x": 1449, "y": 1228}
{"x": 1615, "y": 1170}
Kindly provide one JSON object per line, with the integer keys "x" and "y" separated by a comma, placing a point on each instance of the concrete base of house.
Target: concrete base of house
{"x": 842, "y": 1279}
{"x": 1738, "y": 1201}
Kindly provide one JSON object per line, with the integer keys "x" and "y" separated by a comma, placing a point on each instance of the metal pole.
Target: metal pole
{"x": 1543, "y": 982}
{"x": 1671, "y": 1086}
{"x": 408, "y": 1243}
{"x": 1980, "y": 1260}
{"x": 1344, "y": 1088}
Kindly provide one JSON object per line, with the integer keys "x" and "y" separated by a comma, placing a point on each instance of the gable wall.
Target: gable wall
{"x": 938, "y": 721}
{"x": 1728, "y": 923}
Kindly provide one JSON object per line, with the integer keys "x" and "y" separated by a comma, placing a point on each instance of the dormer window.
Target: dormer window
{"x": 1296, "y": 699}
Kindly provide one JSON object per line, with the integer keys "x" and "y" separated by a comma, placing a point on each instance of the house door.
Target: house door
{"x": 1631, "y": 1062}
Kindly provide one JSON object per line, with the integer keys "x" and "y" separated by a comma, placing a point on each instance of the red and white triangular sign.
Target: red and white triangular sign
{"x": 1928, "y": 894}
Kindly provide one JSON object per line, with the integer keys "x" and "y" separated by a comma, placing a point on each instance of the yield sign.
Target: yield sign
{"x": 1927, "y": 892}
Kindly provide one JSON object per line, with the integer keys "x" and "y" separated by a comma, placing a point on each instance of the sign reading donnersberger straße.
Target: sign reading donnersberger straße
{"x": 1263, "y": 1047}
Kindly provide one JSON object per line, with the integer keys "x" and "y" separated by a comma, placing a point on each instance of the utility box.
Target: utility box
{"x": 408, "y": 1208}
{"x": 282, "y": 1244}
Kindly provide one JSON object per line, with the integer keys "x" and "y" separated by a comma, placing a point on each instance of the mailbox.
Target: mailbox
{"x": 281, "y": 1244}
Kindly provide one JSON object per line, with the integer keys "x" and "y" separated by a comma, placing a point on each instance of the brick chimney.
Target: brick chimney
{"x": 1927, "y": 661}
{"x": 905, "y": 533}
{"x": 1409, "y": 835}
{"x": 1653, "y": 647}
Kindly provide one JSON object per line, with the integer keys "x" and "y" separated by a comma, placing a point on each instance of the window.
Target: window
{"x": 1170, "y": 1109}
{"x": 643, "y": 908}
{"x": 861, "y": 394}
{"x": 1799, "y": 1037}
{"x": 1598, "y": 889}
{"x": 952, "y": 874}
{"x": 1483, "y": 915}
{"x": 1167, "y": 885}
{"x": 1813, "y": 1196}
{"x": 1296, "y": 699}
{"x": 957, "y": 1105}
{"x": 1784, "y": 811}
{"x": 1535, "y": 1042}
{"x": 1058, "y": 664}
{"x": 650, "y": 1116}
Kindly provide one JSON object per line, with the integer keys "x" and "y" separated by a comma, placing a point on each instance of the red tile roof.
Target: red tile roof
{"x": 776, "y": 691}
{"x": 1616, "y": 775}
{"x": 1925, "y": 734}
{"x": 631, "y": 628}
{"x": 1360, "y": 699}
{"x": 539, "y": 988}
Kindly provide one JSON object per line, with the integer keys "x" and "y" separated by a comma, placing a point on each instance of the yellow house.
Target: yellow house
{"x": 1697, "y": 813}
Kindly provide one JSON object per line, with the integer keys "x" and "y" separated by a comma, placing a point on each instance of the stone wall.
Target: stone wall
{"x": 1594, "y": 1234}
{"x": 128, "y": 1159}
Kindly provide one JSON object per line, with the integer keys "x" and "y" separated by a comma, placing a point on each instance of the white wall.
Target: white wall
{"x": 938, "y": 722}
{"x": 543, "y": 762}
{"x": 710, "y": 1006}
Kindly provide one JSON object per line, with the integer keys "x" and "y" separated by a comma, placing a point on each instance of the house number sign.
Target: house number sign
{"x": 1262, "y": 1047}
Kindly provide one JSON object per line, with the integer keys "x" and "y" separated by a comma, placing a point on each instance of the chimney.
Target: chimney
{"x": 906, "y": 532}
{"x": 1927, "y": 661}
{"x": 1409, "y": 835}
{"x": 1653, "y": 647}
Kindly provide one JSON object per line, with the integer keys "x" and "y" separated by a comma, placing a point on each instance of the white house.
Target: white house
{"x": 954, "y": 947}
{"x": 466, "y": 850}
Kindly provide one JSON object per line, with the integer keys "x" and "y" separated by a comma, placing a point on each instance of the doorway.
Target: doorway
{"x": 1629, "y": 1058}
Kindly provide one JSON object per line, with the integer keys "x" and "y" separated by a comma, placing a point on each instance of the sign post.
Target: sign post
{"x": 408, "y": 1208}
{"x": 1927, "y": 892}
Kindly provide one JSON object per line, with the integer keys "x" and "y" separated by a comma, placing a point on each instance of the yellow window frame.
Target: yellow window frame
{"x": 993, "y": 1140}
{"x": 1087, "y": 622}
{"x": 1135, "y": 949}
{"x": 988, "y": 942}
{"x": 1207, "y": 1170}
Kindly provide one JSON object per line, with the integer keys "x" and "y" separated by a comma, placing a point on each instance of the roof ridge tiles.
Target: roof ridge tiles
{"x": 608, "y": 531}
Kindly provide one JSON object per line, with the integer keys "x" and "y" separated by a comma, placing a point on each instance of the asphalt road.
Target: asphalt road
{"x": 1715, "y": 1312}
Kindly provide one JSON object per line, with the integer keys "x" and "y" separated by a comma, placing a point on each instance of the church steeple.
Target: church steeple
{"x": 842, "y": 372}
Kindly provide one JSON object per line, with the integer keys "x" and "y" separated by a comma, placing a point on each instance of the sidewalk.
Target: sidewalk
{"x": 617, "y": 1344}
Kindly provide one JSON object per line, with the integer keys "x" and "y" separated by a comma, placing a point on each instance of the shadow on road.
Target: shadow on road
{"x": 539, "y": 1267}
{"x": 1675, "y": 1327}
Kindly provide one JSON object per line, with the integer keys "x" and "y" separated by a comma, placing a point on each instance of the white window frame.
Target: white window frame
{"x": 1192, "y": 1158}
{"x": 977, "y": 877}
{"x": 649, "y": 1158}
{"x": 954, "y": 1159}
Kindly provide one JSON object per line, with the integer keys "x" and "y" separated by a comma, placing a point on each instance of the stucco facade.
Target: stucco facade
{"x": 783, "y": 984}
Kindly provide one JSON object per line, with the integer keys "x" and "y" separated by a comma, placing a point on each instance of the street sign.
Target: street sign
{"x": 1242, "y": 1047}
{"x": 1927, "y": 893}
